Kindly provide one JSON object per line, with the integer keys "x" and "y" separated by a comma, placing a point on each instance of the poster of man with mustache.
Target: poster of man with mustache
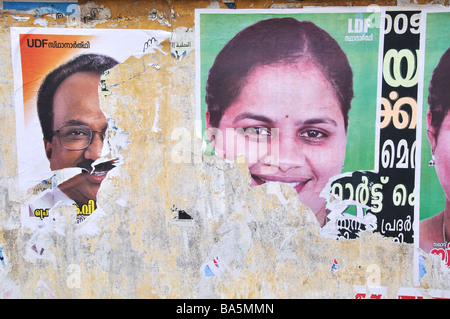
{"x": 61, "y": 127}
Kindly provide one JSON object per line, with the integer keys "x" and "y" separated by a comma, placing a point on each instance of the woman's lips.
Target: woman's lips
{"x": 297, "y": 184}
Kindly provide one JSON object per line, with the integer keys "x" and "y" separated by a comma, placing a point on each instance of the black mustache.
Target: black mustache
{"x": 104, "y": 166}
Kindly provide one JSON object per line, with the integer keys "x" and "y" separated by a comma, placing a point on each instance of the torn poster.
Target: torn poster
{"x": 432, "y": 175}
{"x": 296, "y": 92}
{"x": 58, "y": 76}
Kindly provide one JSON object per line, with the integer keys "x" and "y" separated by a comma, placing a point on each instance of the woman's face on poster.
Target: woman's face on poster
{"x": 288, "y": 123}
{"x": 440, "y": 148}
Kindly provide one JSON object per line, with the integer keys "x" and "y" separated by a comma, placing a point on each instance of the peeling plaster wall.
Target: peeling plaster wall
{"x": 134, "y": 248}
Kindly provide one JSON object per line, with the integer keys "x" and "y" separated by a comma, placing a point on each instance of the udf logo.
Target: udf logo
{"x": 37, "y": 43}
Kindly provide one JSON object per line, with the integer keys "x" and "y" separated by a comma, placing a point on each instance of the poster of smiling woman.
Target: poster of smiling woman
{"x": 58, "y": 76}
{"x": 434, "y": 207}
{"x": 296, "y": 93}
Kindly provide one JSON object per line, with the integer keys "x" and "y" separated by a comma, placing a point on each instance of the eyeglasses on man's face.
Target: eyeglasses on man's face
{"x": 77, "y": 137}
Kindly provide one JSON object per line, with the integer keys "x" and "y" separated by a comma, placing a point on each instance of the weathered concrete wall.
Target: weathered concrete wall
{"x": 270, "y": 242}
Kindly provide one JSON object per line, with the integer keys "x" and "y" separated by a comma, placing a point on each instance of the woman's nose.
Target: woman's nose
{"x": 285, "y": 153}
{"x": 291, "y": 153}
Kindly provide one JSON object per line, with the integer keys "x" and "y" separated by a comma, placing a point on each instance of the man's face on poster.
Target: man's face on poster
{"x": 79, "y": 126}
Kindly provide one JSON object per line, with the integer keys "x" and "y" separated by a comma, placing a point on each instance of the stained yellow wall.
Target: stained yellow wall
{"x": 139, "y": 251}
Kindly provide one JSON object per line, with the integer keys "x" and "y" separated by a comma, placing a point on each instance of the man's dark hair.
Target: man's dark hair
{"x": 95, "y": 63}
{"x": 439, "y": 92}
{"x": 272, "y": 41}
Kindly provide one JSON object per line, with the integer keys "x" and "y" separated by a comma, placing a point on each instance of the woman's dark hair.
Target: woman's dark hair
{"x": 95, "y": 63}
{"x": 439, "y": 92}
{"x": 271, "y": 41}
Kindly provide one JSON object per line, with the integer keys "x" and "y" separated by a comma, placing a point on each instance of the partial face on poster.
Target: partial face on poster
{"x": 435, "y": 170}
{"x": 78, "y": 128}
{"x": 291, "y": 91}
{"x": 61, "y": 129}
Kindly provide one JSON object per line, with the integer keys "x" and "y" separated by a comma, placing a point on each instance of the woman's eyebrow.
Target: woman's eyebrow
{"x": 262, "y": 118}
{"x": 252, "y": 116}
{"x": 318, "y": 120}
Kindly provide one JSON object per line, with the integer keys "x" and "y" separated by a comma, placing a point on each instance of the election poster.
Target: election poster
{"x": 271, "y": 87}
{"x": 297, "y": 93}
{"x": 433, "y": 230}
{"x": 398, "y": 123}
{"x": 58, "y": 76}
